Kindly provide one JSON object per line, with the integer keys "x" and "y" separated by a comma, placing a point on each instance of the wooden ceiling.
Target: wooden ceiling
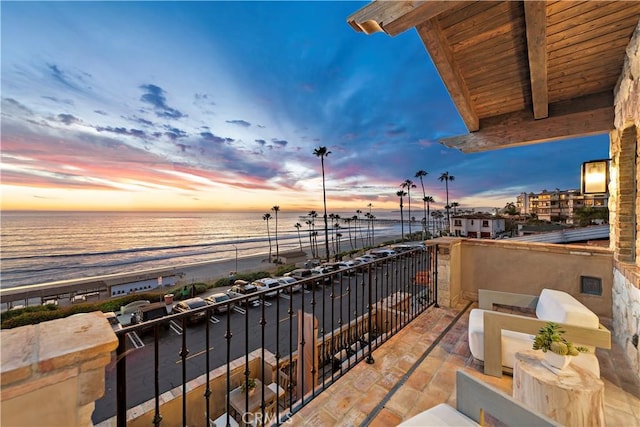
{"x": 519, "y": 72}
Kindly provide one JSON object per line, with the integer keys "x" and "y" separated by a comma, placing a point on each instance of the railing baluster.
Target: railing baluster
{"x": 370, "y": 304}
{"x": 121, "y": 381}
{"x": 183, "y": 354}
{"x": 313, "y": 347}
{"x": 207, "y": 392}
{"x": 157, "y": 418}
{"x": 227, "y": 336}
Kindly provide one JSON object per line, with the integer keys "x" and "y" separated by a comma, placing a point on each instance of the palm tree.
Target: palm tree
{"x": 427, "y": 200}
{"x": 355, "y": 230}
{"x": 267, "y": 217}
{"x": 408, "y": 184}
{"x": 420, "y": 174}
{"x": 454, "y": 205}
{"x": 297, "y": 226}
{"x": 370, "y": 224}
{"x": 358, "y": 212}
{"x": 336, "y": 226}
{"x": 276, "y": 209}
{"x": 331, "y": 216}
{"x": 322, "y": 152}
{"x": 373, "y": 234}
{"x": 401, "y": 194}
{"x": 313, "y": 251}
{"x": 348, "y": 222}
{"x": 446, "y": 178}
{"x": 313, "y": 215}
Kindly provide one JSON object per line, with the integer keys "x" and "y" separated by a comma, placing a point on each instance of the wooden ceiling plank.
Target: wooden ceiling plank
{"x": 599, "y": 25}
{"x": 465, "y": 11}
{"x": 536, "y": 23}
{"x": 394, "y": 17}
{"x": 505, "y": 30}
{"x": 487, "y": 21}
{"x": 606, "y": 42}
{"x": 571, "y": 91}
{"x": 564, "y": 12}
{"x": 481, "y": 21}
{"x": 435, "y": 43}
{"x": 589, "y": 115}
{"x": 560, "y": 67}
{"x": 421, "y": 12}
{"x": 498, "y": 83}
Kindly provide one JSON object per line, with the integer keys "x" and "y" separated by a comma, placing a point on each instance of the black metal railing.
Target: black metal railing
{"x": 354, "y": 311}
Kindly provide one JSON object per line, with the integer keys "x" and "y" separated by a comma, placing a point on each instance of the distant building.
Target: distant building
{"x": 483, "y": 226}
{"x": 558, "y": 205}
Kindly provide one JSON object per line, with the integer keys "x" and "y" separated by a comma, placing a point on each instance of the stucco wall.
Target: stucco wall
{"x": 527, "y": 268}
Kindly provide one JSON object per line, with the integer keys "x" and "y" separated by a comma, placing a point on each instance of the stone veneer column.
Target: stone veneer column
{"x": 625, "y": 204}
{"x": 53, "y": 372}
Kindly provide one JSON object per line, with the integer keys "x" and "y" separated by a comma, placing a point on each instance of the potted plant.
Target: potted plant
{"x": 557, "y": 350}
{"x": 250, "y": 385}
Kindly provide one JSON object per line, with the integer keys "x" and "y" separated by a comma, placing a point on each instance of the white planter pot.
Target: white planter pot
{"x": 557, "y": 360}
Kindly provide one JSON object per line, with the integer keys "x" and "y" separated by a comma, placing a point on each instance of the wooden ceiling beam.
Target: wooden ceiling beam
{"x": 395, "y": 17}
{"x": 442, "y": 57}
{"x": 589, "y": 115}
{"x": 536, "y": 26}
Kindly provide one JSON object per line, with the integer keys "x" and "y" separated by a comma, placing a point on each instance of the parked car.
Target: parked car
{"x": 367, "y": 257}
{"x": 324, "y": 272}
{"x": 331, "y": 266}
{"x": 268, "y": 283}
{"x": 382, "y": 253}
{"x": 347, "y": 267}
{"x": 299, "y": 273}
{"x": 242, "y": 289}
{"x": 310, "y": 263}
{"x": 218, "y": 301}
{"x": 151, "y": 311}
{"x": 189, "y": 305}
{"x": 286, "y": 281}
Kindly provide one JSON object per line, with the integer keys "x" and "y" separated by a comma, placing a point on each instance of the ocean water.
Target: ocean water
{"x": 44, "y": 247}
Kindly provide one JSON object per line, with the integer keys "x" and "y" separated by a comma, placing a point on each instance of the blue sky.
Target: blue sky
{"x": 219, "y": 105}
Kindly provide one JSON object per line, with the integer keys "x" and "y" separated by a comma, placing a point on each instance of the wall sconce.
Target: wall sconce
{"x": 595, "y": 176}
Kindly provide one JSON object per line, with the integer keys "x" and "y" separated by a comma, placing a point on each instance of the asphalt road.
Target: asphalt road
{"x": 279, "y": 334}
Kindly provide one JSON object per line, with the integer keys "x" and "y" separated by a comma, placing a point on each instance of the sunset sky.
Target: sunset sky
{"x": 219, "y": 105}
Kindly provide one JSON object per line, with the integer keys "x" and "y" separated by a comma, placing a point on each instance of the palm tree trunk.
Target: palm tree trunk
{"x": 269, "y": 236}
{"x": 446, "y": 187}
{"x": 324, "y": 200}
{"x": 409, "y": 197}
{"x": 427, "y": 216}
{"x": 401, "y": 224}
{"x": 277, "y": 247}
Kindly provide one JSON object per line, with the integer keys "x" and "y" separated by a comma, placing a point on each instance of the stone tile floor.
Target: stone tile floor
{"x": 415, "y": 370}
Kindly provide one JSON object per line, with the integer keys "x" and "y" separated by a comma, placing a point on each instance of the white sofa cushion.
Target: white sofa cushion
{"x": 439, "y": 415}
{"x": 512, "y": 341}
{"x": 560, "y": 307}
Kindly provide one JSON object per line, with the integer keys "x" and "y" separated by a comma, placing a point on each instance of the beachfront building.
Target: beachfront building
{"x": 518, "y": 73}
{"x": 559, "y": 205}
{"x": 478, "y": 226}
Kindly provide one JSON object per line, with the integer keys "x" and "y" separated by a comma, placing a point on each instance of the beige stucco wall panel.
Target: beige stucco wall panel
{"x": 530, "y": 267}
{"x": 58, "y": 401}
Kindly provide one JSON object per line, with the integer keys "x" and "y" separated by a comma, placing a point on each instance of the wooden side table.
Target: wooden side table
{"x": 575, "y": 397}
